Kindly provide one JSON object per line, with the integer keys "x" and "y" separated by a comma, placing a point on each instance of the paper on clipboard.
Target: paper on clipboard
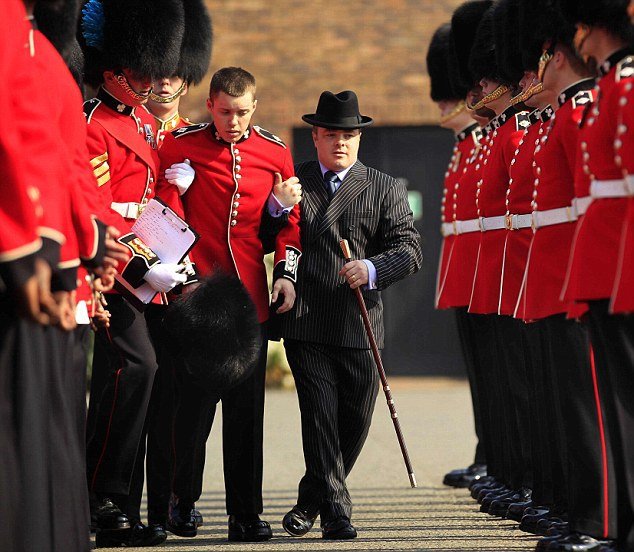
{"x": 167, "y": 234}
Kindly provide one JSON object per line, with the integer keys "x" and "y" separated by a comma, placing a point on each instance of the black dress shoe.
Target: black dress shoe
{"x": 516, "y": 511}
{"x": 492, "y": 497}
{"x": 198, "y": 518}
{"x": 558, "y": 530}
{"x": 462, "y": 478}
{"x": 576, "y": 542}
{"x": 137, "y": 537}
{"x": 180, "y": 520}
{"x": 482, "y": 480}
{"x": 544, "y": 525}
{"x": 338, "y": 529}
{"x": 248, "y": 529}
{"x": 492, "y": 493}
{"x": 298, "y": 522}
{"x": 108, "y": 517}
{"x": 491, "y": 485}
{"x": 531, "y": 518}
{"x": 500, "y": 506}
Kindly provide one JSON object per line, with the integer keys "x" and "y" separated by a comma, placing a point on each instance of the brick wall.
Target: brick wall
{"x": 297, "y": 49}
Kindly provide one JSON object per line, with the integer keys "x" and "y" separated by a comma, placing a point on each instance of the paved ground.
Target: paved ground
{"x": 389, "y": 515}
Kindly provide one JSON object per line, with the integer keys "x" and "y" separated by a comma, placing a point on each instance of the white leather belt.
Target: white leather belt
{"x": 515, "y": 222}
{"x": 492, "y": 223}
{"x": 459, "y": 227}
{"x": 127, "y": 210}
{"x": 581, "y": 204}
{"x": 629, "y": 182}
{"x": 553, "y": 216}
{"x": 609, "y": 188}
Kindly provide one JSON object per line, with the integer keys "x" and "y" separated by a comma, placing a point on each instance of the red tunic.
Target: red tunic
{"x": 122, "y": 151}
{"x": 455, "y": 290}
{"x": 519, "y": 196}
{"x": 623, "y": 295}
{"x": 225, "y": 202}
{"x": 19, "y": 240}
{"x": 596, "y": 245}
{"x": 463, "y": 153}
{"x": 508, "y": 129}
{"x": 555, "y": 166}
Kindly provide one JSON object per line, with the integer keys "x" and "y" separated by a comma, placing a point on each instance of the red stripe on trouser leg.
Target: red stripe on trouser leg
{"x": 604, "y": 452}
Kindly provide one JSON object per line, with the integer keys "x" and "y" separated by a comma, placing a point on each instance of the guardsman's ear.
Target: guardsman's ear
{"x": 209, "y": 105}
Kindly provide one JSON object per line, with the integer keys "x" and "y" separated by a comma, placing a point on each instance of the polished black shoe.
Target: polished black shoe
{"x": 198, "y": 518}
{"x": 492, "y": 493}
{"x": 298, "y": 522}
{"x": 516, "y": 511}
{"x": 493, "y": 497}
{"x": 248, "y": 529}
{"x": 531, "y": 518}
{"x": 108, "y": 517}
{"x": 558, "y": 530}
{"x": 462, "y": 478}
{"x": 338, "y": 529}
{"x": 544, "y": 525}
{"x": 483, "y": 480}
{"x": 500, "y": 506}
{"x": 138, "y": 537}
{"x": 576, "y": 542}
{"x": 180, "y": 520}
{"x": 491, "y": 485}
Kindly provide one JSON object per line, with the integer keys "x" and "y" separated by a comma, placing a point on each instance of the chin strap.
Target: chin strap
{"x": 544, "y": 60}
{"x": 168, "y": 99}
{"x": 123, "y": 83}
{"x": 495, "y": 95}
{"x": 525, "y": 94}
{"x": 457, "y": 110}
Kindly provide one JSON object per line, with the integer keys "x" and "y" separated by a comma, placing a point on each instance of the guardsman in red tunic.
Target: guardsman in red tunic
{"x": 575, "y": 438}
{"x": 122, "y": 57}
{"x": 603, "y": 33}
{"x": 450, "y": 96}
{"x": 164, "y": 432}
{"x": 503, "y": 135}
{"x": 236, "y": 166}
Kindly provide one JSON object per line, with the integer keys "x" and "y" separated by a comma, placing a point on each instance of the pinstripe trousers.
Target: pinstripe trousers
{"x": 337, "y": 389}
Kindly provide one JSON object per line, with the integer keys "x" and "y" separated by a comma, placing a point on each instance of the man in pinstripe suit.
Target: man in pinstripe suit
{"x": 326, "y": 344}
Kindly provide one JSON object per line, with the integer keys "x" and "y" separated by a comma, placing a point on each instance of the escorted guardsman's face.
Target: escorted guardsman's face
{"x": 337, "y": 149}
{"x": 232, "y": 115}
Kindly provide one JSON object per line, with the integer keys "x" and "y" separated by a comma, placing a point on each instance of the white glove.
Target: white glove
{"x": 181, "y": 175}
{"x": 164, "y": 277}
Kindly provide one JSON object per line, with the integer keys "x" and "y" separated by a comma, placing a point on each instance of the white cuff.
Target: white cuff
{"x": 371, "y": 275}
{"x": 276, "y": 209}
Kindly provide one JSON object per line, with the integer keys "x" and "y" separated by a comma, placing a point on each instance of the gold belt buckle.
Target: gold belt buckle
{"x": 454, "y": 223}
{"x": 508, "y": 222}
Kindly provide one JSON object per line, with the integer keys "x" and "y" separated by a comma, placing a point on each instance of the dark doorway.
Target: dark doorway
{"x": 419, "y": 339}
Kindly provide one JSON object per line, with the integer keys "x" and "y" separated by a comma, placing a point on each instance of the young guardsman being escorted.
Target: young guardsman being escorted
{"x": 240, "y": 170}
{"x": 449, "y": 95}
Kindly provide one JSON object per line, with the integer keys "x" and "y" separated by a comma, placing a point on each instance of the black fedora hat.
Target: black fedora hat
{"x": 338, "y": 111}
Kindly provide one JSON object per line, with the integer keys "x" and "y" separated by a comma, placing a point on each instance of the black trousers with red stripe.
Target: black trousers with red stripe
{"x": 124, "y": 366}
{"x": 612, "y": 338}
{"x": 580, "y": 428}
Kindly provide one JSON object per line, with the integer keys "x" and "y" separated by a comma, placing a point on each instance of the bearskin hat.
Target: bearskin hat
{"x": 464, "y": 24}
{"x": 58, "y": 21}
{"x": 197, "y": 42}
{"x": 609, "y": 14}
{"x": 144, "y": 36}
{"x": 441, "y": 88}
{"x": 541, "y": 21}
{"x": 213, "y": 334}
{"x": 482, "y": 60}
{"x": 508, "y": 55}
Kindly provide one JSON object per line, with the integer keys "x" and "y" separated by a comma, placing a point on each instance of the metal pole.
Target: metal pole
{"x": 379, "y": 364}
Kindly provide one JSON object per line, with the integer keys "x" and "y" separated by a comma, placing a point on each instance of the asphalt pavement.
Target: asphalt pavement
{"x": 436, "y": 419}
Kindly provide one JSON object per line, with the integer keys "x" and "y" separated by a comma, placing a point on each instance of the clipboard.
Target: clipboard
{"x": 168, "y": 235}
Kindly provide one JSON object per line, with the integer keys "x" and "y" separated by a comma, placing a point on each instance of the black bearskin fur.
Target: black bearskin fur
{"x": 213, "y": 333}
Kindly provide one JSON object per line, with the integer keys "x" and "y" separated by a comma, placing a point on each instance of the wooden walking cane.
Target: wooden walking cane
{"x": 379, "y": 364}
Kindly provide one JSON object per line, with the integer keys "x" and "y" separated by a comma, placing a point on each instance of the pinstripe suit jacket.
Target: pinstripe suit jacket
{"x": 371, "y": 211}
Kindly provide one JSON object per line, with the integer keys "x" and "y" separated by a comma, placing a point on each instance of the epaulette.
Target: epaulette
{"x": 522, "y": 120}
{"x": 625, "y": 68}
{"x": 583, "y": 97}
{"x": 89, "y": 108}
{"x": 269, "y": 136}
{"x": 189, "y": 130}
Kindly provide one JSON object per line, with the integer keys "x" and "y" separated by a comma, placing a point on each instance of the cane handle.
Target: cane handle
{"x": 345, "y": 248}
